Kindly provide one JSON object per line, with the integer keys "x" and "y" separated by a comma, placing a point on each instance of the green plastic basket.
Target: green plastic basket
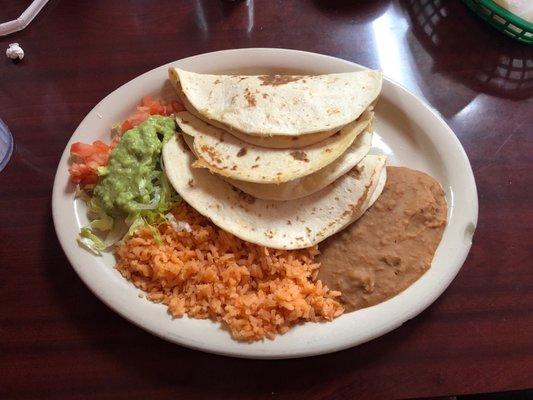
{"x": 503, "y": 20}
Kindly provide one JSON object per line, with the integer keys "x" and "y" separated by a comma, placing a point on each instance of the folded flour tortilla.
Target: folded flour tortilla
{"x": 314, "y": 182}
{"x": 309, "y": 184}
{"x": 291, "y": 224}
{"x": 224, "y": 154}
{"x": 278, "y": 111}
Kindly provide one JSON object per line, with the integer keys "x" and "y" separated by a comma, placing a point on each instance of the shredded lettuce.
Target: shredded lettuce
{"x": 178, "y": 226}
{"x": 152, "y": 208}
{"x": 102, "y": 171}
{"x": 154, "y": 201}
{"x": 156, "y": 213}
{"x": 81, "y": 194}
{"x": 117, "y": 233}
{"x": 169, "y": 197}
{"x": 90, "y": 241}
{"x": 99, "y": 219}
{"x": 104, "y": 231}
{"x": 134, "y": 225}
{"x": 155, "y": 234}
{"x": 104, "y": 225}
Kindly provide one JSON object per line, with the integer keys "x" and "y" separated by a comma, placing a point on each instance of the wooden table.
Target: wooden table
{"x": 57, "y": 340}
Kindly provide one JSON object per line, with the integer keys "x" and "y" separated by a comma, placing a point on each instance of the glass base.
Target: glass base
{"x": 6, "y": 144}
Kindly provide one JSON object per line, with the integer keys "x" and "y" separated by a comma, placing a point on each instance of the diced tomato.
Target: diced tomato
{"x": 144, "y": 109}
{"x": 114, "y": 142}
{"x": 89, "y": 157}
{"x": 136, "y": 119}
{"x": 149, "y": 107}
{"x": 146, "y": 101}
{"x": 160, "y": 107}
{"x": 157, "y": 109}
{"x": 82, "y": 174}
{"x": 98, "y": 151}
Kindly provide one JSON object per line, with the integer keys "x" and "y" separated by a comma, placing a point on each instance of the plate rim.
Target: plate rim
{"x": 250, "y": 353}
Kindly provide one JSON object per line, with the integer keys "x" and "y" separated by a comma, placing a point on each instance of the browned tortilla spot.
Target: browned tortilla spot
{"x": 242, "y": 152}
{"x": 250, "y": 98}
{"x": 354, "y": 173}
{"x": 300, "y": 155}
{"x": 276, "y": 80}
{"x": 212, "y": 153}
{"x": 246, "y": 197}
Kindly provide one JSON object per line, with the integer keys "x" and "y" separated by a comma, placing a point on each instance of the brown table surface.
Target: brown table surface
{"x": 57, "y": 340}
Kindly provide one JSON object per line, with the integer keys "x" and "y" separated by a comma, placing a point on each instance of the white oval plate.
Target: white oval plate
{"x": 407, "y": 130}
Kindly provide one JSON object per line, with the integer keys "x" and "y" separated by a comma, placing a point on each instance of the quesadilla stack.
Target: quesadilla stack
{"x": 278, "y": 160}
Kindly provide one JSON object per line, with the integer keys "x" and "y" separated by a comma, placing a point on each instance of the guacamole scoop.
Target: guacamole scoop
{"x": 129, "y": 182}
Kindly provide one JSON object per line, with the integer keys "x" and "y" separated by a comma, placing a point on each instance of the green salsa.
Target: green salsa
{"x": 128, "y": 179}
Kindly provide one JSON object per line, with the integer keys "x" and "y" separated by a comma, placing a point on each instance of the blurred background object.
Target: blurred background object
{"x": 238, "y": 14}
{"x": 521, "y": 8}
{"x": 509, "y": 16}
{"x": 347, "y": 9}
{"x": 18, "y": 24}
{"x": 504, "y": 72}
{"x": 6, "y": 144}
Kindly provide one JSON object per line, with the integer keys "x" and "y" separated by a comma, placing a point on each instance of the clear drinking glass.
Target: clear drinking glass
{"x": 6, "y": 144}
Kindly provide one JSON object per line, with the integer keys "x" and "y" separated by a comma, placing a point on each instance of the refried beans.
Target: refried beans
{"x": 391, "y": 246}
